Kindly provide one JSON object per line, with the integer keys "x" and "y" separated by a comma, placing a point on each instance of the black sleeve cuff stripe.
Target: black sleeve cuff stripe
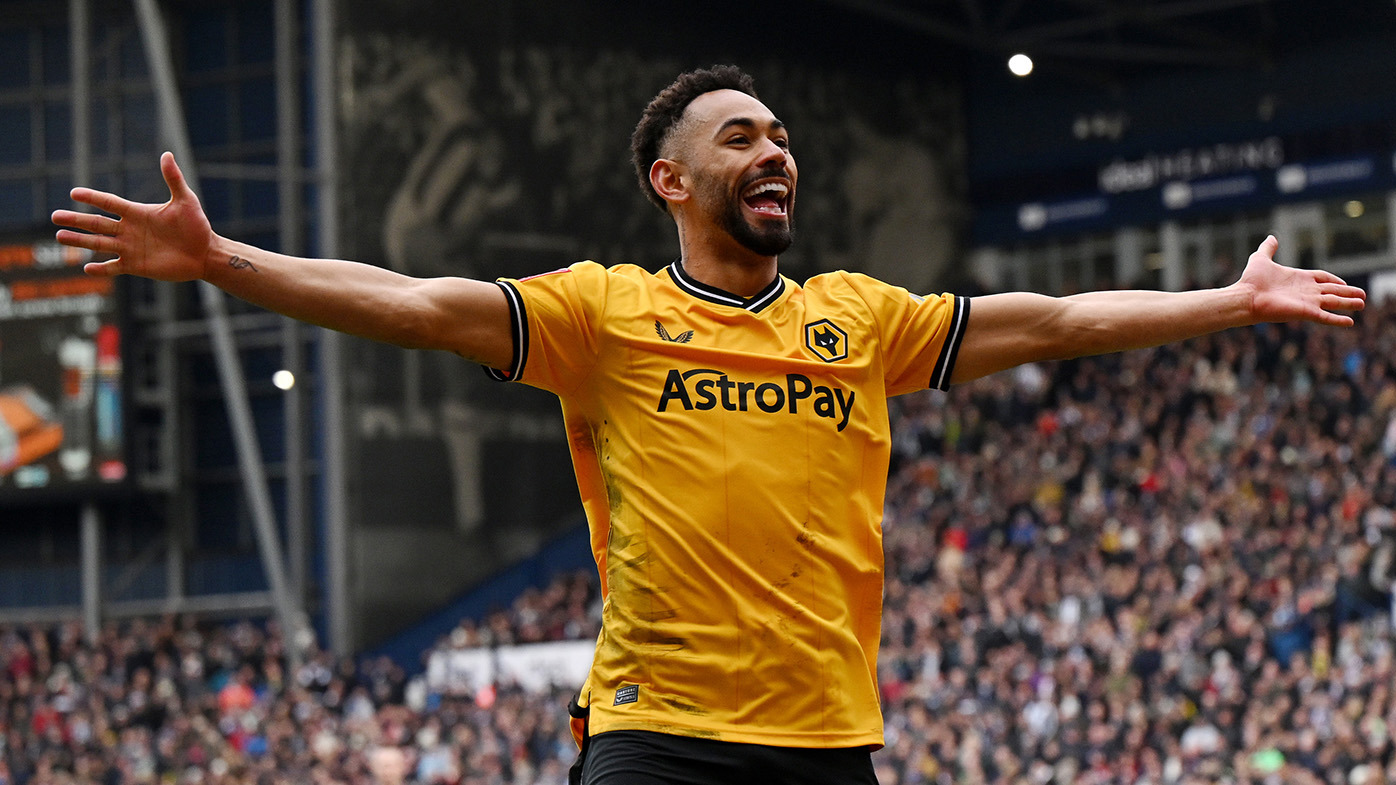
{"x": 518, "y": 325}
{"x": 945, "y": 366}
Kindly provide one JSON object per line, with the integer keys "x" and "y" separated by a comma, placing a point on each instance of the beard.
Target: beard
{"x": 771, "y": 238}
{"x": 767, "y": 237}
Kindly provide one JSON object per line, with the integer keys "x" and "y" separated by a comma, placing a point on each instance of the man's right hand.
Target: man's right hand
{"x": 167, "y": 242}
{"x": 174, "y": 242}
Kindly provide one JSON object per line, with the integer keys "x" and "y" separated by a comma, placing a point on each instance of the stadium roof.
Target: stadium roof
{"x": 1104, "y": 41}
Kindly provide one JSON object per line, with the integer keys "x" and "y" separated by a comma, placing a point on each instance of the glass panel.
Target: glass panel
{"x": 206, "y": 40}
{"x": 259, "y": 199}
{"x": 144, "y": 183}
{"x": 133, "y": 62}
{"x": 209, "y": 114}
{"x": 14, "y": 59}
{"x": 271, "y": 240}
{"x": 139, "y": 133}
{"x": 16, "y": 203}
{"x": 256, "y": 32}
{"x": 15, "y": 130}
{"x": 103, "y": 109}
{"x": 58, "y": 131}
{"x": 217, "y": 198}
{"x": 257, "y": 108}
{"x": 57, "y": 63}
{"x": 56, "y": 191}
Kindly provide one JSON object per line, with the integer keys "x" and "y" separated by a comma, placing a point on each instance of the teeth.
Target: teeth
{"x": 763, "y": 188}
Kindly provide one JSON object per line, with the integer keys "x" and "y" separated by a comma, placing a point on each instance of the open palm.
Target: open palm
{"x": 167, "y": 242}
{"x": 1281, "y": 294}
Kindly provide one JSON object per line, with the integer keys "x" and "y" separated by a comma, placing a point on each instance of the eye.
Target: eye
{"x": 782, "y": 143}
{"x": 738, "y": 140}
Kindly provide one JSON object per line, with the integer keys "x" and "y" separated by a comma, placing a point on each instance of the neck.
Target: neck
{"x": 726, "y": 264}
{"x": 738, "y": 277}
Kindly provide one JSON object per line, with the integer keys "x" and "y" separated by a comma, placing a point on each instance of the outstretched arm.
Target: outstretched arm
{"x": 175, "y": 242}
{"x": 1006, "y": 330}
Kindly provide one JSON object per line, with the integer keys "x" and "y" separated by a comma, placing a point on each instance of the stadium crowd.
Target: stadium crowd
{"x": 1171, "y": 566}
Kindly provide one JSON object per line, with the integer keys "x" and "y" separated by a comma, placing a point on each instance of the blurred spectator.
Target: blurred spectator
{"x": 1165, "y": 567}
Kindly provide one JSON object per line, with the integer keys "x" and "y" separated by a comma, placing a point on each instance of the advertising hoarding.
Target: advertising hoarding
{"x": 62, "y": 410}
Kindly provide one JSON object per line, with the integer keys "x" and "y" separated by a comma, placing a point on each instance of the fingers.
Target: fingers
{"x": 174, "y": 178}
{"x": 1268, "y": 247}
{"x": 99, "y": 243}
{"x": 97, "y": 235}
{"x": 1339, "y": 302}
{"x": 1334, "y": 303}
{"x": 105, "y": 269}
{"x": 103, "y": 201}
{"x": 111, "y": 203}
{"x": 1323, "y": 276}
{"x": 87, "y": 222}
{"x": 1335, "y": 319}
{"x": 1338, "y": 297}
{"x": 1343, "y": 297}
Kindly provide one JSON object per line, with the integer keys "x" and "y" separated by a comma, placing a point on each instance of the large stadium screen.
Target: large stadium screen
{"x": 61, "y": 394}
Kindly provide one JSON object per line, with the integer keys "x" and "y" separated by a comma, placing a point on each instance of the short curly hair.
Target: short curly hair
{"x": 667, "y": 108}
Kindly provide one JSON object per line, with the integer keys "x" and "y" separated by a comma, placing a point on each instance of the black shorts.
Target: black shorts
{"x": 636, "y": 757}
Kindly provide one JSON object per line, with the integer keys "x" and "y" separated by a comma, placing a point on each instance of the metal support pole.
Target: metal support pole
{"x": 174, "y": 130}
{"x": 91, "y": 545}
{"x": 80, "y": 58}
{"x": 293, "y": 410}
{"x": 80, "y": 54}
{"x": 339, "y": 618}
{"x": 291, "y": 219}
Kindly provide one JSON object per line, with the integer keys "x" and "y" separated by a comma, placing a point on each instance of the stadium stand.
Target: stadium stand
{"x": 1169, "y": 566}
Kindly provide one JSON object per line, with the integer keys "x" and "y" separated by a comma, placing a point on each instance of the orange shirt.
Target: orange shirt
{"x": 732, "y": 458}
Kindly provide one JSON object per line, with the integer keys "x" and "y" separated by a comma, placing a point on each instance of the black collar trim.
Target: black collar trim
{"x": 712, "y": 294}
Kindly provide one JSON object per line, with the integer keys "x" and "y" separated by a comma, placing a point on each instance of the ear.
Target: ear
{"x": 667, "y": 177}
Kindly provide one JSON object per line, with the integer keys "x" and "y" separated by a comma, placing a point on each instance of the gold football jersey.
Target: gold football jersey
{"x": 732, "y": 457}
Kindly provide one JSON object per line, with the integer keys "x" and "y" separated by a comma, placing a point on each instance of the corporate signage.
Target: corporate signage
{"x": 1151, "y": 171}
{"x": 61, "y": 403}
{"x": 534, "y": 666}
{"x": 1248, "y": 175}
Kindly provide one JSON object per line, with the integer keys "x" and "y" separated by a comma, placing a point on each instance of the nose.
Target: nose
{"x": 773, "y": 154}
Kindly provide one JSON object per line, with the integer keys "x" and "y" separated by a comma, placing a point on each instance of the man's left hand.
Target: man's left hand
{"x": 1283, "y": 294}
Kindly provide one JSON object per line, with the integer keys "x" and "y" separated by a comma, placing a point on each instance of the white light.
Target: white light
{"x": 1354, "y": 209}
{"x": 1020, "y": 65}
{"x": 284, "y": 380}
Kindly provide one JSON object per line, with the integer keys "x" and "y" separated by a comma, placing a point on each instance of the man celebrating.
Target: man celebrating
{"x": 728, "y": 425}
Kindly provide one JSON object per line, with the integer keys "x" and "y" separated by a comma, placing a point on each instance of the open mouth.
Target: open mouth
{"x": 767, "y": 198}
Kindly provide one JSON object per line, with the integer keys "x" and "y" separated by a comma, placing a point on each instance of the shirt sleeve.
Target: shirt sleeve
{"x": 919, "y": 336}
{"x": 555, "y": 319}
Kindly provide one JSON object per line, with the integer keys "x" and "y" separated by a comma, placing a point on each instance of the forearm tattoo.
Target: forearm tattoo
{"x": 239, "y": 263}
